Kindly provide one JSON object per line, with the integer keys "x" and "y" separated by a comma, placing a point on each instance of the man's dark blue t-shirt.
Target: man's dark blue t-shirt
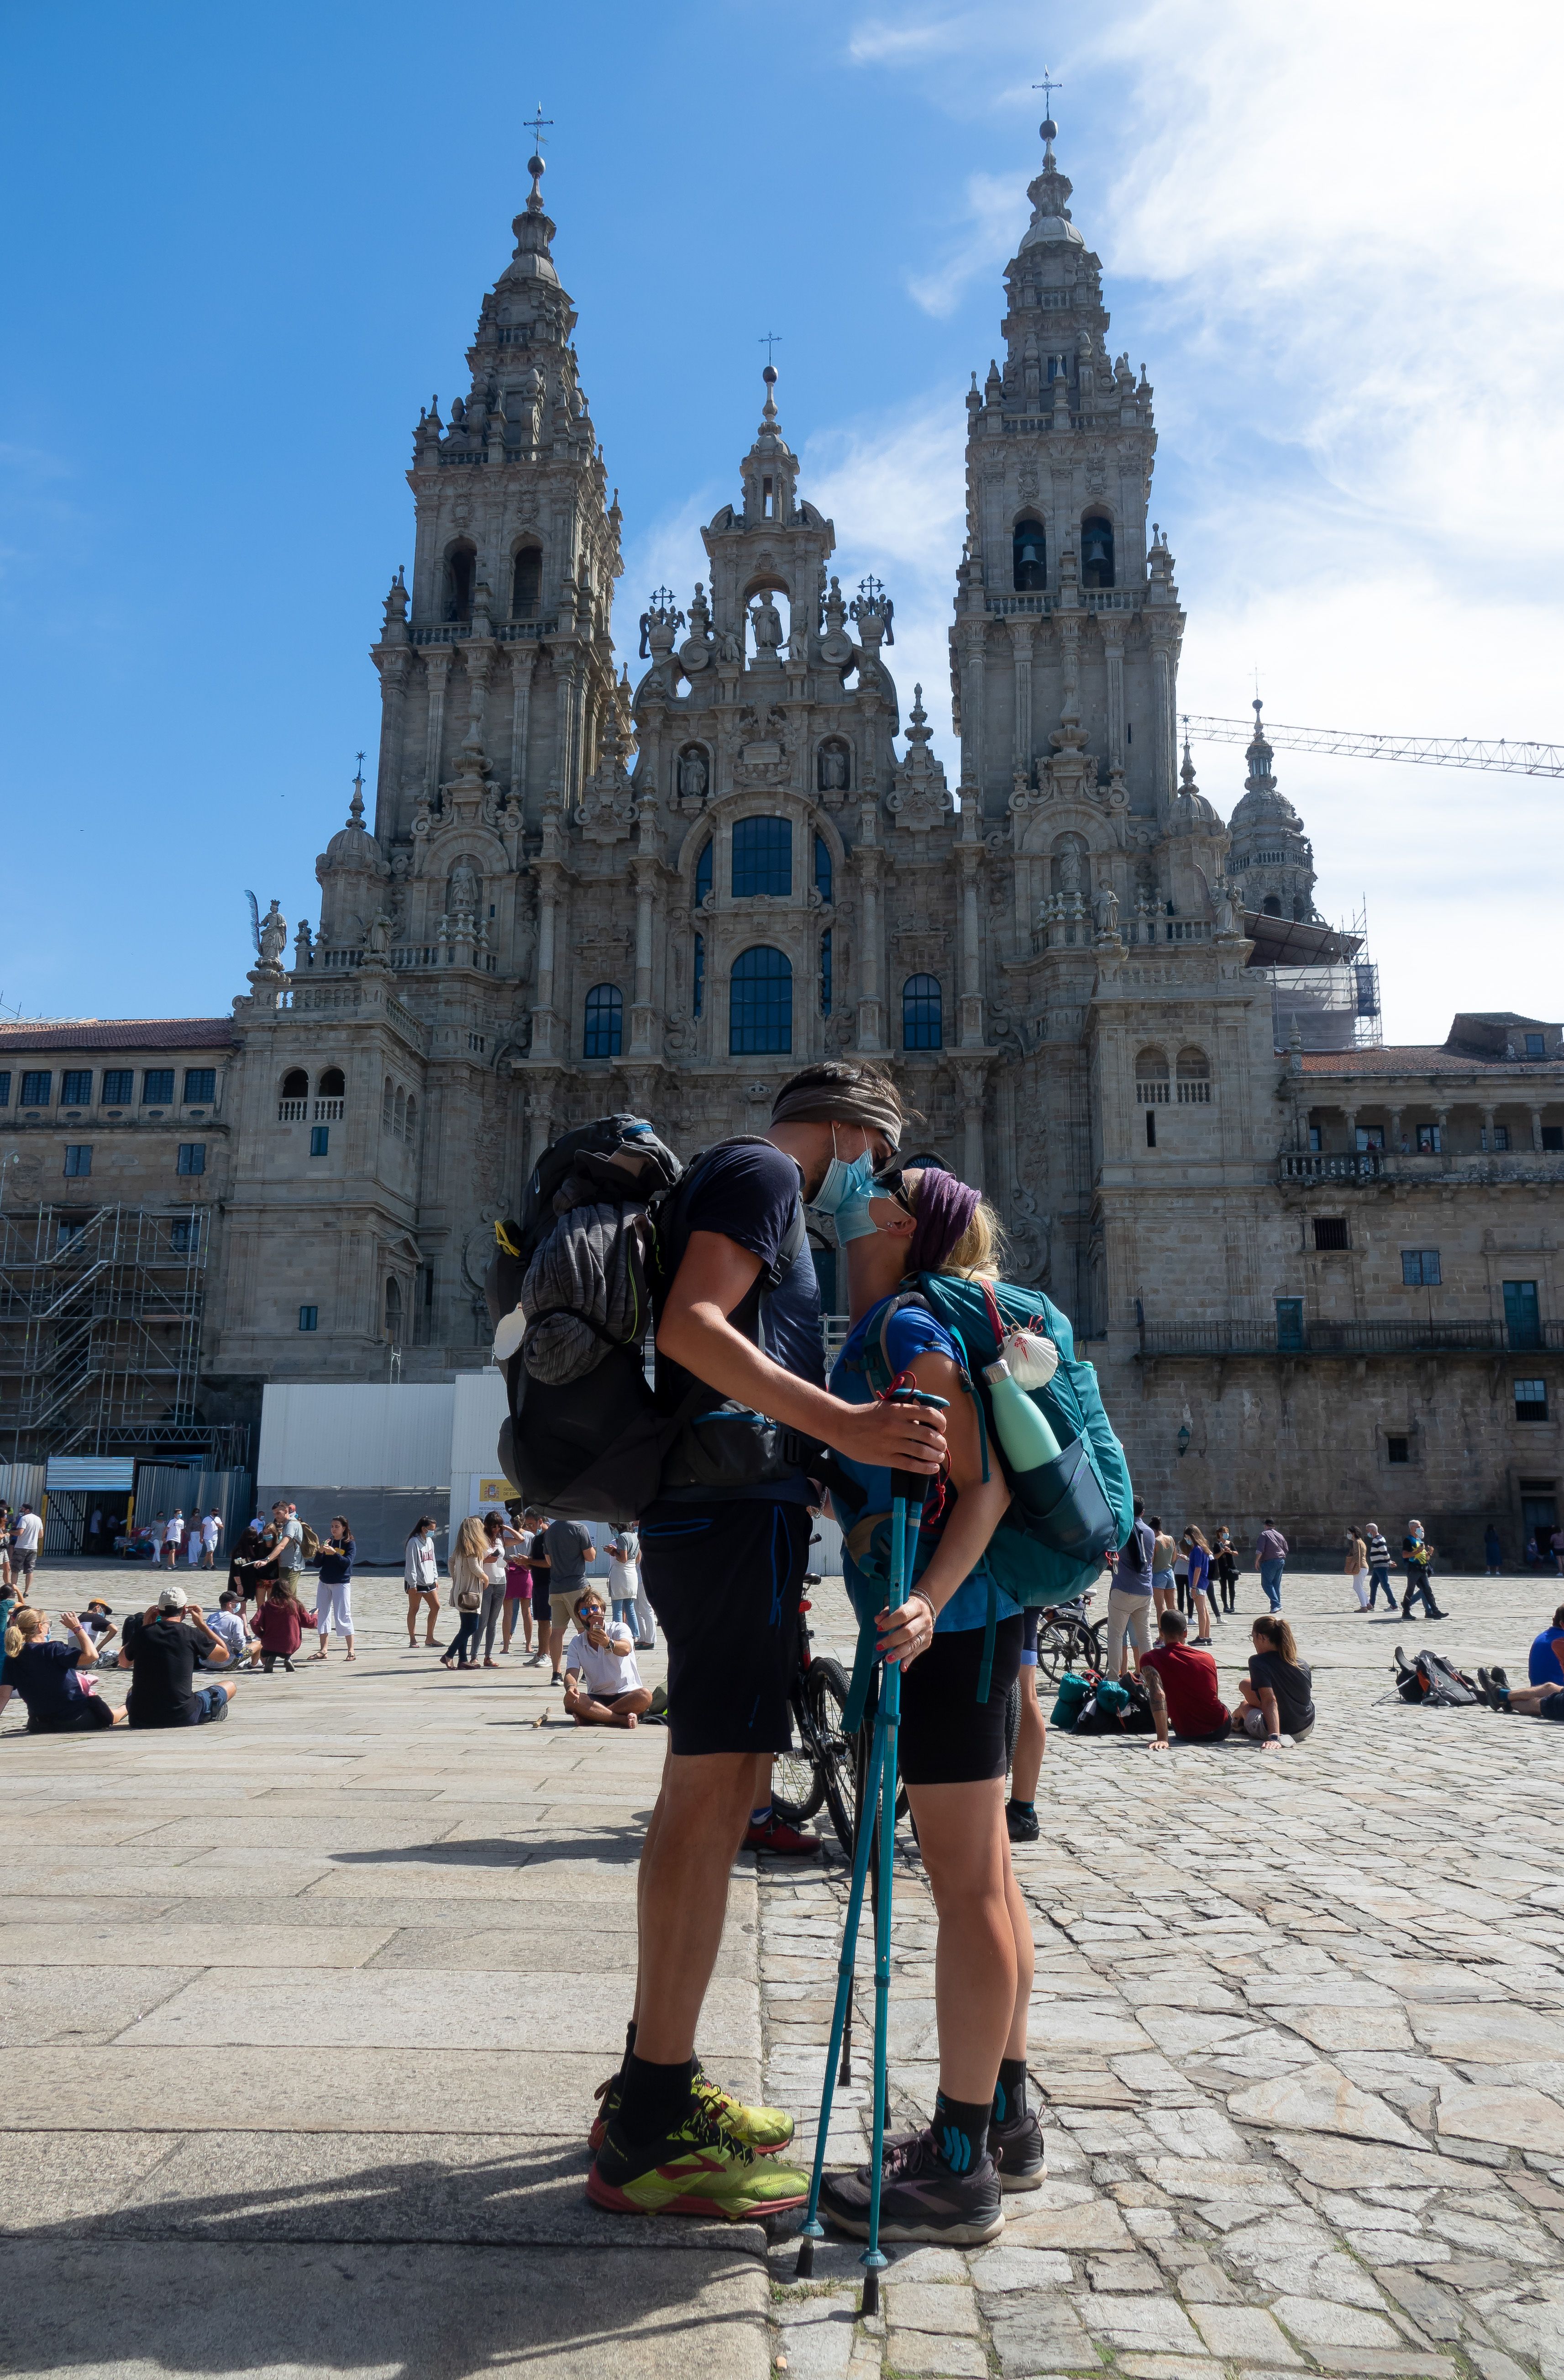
{"x": 749, "y": 1191}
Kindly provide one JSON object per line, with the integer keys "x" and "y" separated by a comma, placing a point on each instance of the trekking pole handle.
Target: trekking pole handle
{"x": 913, "y": 1486}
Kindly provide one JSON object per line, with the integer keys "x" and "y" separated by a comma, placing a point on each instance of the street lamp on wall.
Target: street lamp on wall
{"x": 1184, "y": 1438}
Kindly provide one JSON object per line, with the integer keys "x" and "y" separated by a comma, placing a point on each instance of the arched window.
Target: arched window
{"x": 1271, "y": 906}
{"x": 698, "y": 995}
{"x": 400, "y": 1127}
{"x": 393, "y": 1312}
{"x": 331, "y": 1084}
{"x": 822, "y": 867}
{"x": 825, "y": 973}
{"x": 1030, "y": 549}
{"x": 295, "y": 1083}
{"x": 605, "y": 1022}
{"x": 526, "y": 579}
{"x": 759, "y": 1002}
{"x": 922, "y": 1025}
{"x": 1151, "y": 1079}
{"x": 461, "y": 569}
{"x": 763, "y": 857}
{"x": 703, "y": 873}
{"x": 1192, "y": 1070}
{"x": 1097, "y": 551}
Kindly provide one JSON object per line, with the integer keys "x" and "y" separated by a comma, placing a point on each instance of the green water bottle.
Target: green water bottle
{"x": 1023, "y": 1431}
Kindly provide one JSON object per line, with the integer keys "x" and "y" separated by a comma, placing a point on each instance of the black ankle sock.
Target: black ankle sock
{"x": 961, "y": 2131}
{"x": 653, "y": 2098}
{"x": 1010, "y": 2092}
{"x": 629, "y": 2042}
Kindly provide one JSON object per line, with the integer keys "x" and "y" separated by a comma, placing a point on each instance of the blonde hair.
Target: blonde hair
{"x": 472, "y": 1539}
{"x": 980, "y": 1253}
{"x": 27, "y": 1625}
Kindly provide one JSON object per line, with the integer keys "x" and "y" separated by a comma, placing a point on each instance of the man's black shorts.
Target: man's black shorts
{"x": 724, "y": 1581}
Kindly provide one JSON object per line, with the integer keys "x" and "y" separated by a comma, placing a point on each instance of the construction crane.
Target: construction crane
{"x": 1434, "y": 751}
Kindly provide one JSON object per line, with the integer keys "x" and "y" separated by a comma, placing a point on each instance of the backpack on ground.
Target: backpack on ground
{"x": 1118, "y": 1707}
{"x": 309, "y": 1543}
{"x": 573, "y": 1292}
{"x": 1433, "y": 1682}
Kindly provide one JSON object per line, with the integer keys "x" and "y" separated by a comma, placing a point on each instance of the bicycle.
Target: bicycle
{"x": 1068, "y": 1640}
{"x": 824, "y": 1766}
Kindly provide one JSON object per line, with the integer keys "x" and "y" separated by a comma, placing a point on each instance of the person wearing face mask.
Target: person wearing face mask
{"x": 740, "y": 1317}
{"x": 944, "y": 2182}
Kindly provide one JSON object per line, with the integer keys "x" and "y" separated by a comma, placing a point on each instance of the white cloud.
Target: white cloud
{"x": 874, "y": 42}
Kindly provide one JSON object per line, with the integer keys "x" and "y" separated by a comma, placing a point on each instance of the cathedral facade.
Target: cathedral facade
{"x": 665, "y": 887}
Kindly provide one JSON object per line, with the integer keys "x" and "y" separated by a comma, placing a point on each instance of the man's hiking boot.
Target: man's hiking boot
{"x": 1021, "y": 1825}
{"x": 1016, "y": 2147}
{"x": 920, "y": 2198}
{"x": 700, "y": 2167}
{"x": 1494, "y": 1693}
{"x": 1500, "y": 1677}
{"x": 765, "y": 2130}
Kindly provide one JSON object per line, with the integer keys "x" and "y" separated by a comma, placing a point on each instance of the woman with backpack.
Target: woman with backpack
{"x": 944, "y": 2183}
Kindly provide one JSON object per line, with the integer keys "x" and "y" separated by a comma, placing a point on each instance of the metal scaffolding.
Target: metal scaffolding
{"x": 100, "y": 1334}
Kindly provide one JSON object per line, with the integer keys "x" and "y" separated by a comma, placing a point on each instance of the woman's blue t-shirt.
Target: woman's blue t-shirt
{"x": 913, "y": 1331}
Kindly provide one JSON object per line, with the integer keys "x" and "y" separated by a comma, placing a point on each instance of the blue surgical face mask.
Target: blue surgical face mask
{"x": 854, "y": 1221}
{"x": 843, "y": 1180}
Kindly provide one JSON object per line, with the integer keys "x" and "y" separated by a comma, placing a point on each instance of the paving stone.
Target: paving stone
{"x": 1154, "y": 2323}
{"x": 817, "y": 2336}
{"x": 1122, "y": 2273}
{"x": 944, "y": 2308}
{"x": 1321, "y": 2322}
{"x": 1487, "y": 2111}
{"x": 951, "y": 2358}
{"x": 1244, "y": 2334}
{"x": 1320, "y": 2099}
{"x": 1040, "y": 2335}
{"x": 1007, "y": 2268}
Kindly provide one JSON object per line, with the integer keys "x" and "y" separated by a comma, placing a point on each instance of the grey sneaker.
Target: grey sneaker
{"x": 1017, "y": 2146}
{"x": 920, "y": 2198}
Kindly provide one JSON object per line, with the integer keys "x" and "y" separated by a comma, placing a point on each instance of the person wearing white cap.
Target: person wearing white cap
{"x": 161, "y": 1650}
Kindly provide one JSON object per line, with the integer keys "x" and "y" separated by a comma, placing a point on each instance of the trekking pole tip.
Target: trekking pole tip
{"x": 874, "y": 2263}
{"x": 805, "y": 2268}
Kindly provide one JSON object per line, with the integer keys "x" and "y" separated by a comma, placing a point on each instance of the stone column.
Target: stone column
{"x": 970, "y": 1081}
{"x": 1352, "y": 1118}
{"x": 1164, "y": 758}
{"x": 479, "y": 656}
{"x": 437, "y": 669}
{"x": 969, "y": 858}
{"x": 1536, "y": 1128}
{"x": 541, "y": 1101}
{"x": 524, "y": 660}
{"x": 550, "y": 890}
{"x": 973, "y": 761}
{"x": 643, "y": 1015}
{"x": 1395, "y": 1131}
{"x": 565, "y": 711}
{"x": 871, "y": 1002}
{"x": 1441, "y": 1120}
{"x": 393, "y": 692}
{"x": 1488, "y": 1131}
{"x": 1113, "y": 650}
{"x": 1021, "y": 659}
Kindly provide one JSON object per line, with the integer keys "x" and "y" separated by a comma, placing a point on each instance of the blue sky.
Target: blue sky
{"x": 243, "y": 248}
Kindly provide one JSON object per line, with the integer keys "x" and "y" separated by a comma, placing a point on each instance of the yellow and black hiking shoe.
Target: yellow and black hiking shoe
{"x": 698, "y": 2167}
{"x": 765, "y": 2130}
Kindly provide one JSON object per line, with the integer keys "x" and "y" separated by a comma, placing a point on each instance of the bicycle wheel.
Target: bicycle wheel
{"x": 797, "y": 1786}
{"x": 1086, "y": 1645}
{"x": 1055, "y": 1647}
{"x": 825, "y": 1693}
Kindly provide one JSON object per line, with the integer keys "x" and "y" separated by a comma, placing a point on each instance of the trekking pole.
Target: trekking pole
{"x": 907, "y": 1488}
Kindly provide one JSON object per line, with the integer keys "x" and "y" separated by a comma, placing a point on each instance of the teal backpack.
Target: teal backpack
{"x": 1064, "y": 1516}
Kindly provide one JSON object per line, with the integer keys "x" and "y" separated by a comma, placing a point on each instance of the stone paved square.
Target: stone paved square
{"x": 305, "y": 2016}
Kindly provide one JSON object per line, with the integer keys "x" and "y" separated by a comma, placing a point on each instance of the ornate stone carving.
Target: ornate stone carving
{"x": 919, "y": 798}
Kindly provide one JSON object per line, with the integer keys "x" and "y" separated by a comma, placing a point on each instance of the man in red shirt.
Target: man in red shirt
{"x": 1182, "y": 1682}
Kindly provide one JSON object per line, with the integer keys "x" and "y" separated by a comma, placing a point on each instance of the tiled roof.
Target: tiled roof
{"x": 1416, "y": 1058}
{"x": 117, "y": 1033}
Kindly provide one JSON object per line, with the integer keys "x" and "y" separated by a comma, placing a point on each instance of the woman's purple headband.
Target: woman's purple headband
{"x": 945, "y": 1208}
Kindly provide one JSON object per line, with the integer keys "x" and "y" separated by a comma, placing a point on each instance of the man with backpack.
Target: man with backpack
{"x": 723, "y": 1550}
{"x": 1418, "y": 1554}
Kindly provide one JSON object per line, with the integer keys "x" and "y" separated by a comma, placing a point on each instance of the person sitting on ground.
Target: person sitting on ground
{"x": 1181, "y": 1682}
{"x": 162, "y": 1649}
{"x": 602, "y": 1684}
{"x": 1277, "y": 1697}
{"x": 98, "y": 1621}
{"x": 1544, "y": 1701}
{"x": 279, "y": 1623}
{"x": 228, "y": 1624}
{"x": 48, "y": 1678}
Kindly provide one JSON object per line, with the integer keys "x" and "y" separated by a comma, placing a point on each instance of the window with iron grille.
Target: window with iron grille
{"x": 36, "y": 1089}
{"x": 192, "y": 1156}
{"x": 76, "y": 1089}
{"x": 78, "y": 1161}
{"x": 759, "y": 1003}
{"x": 762, "y": 858}
{"x": 1330, "y": 1231}
{"x": 605, "y": 1022}
{"x": 200, "y": 1085}
{"x": 119, "y": 1086}
{"x": 4, "y": 1091}
{"x": 1397, "y": 1449}
{"x": 1531, "y": 1399}
{"x": 184, "y": 1234}
{"x": 1419, "y": 1268}
{"x": 157, "y": 1087}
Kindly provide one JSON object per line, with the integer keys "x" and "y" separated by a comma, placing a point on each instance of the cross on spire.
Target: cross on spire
{"x": 1047, "y": 86}
{"x": 769, "y": 339}
{"x": 535, "y": 122}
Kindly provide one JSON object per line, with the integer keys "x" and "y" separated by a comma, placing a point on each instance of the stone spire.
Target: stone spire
{"x": 1050, "y": 193}
{"x": 769, "y": 470}
{"x": 534, "y": 232}
{"x": 1272, "y": 857}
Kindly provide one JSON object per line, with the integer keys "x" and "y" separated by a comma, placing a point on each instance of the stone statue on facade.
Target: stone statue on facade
{"x": 463, "y": 892}
{"x": 833, "y": 768}
{"x": 1070, "y": 871}
{"x": 303, "y": 947}
{"x": 379, "y": 935}
{"x": 1108, "y": 912}
{"x": 765, "y": 621}
{"x": 693, "y": 774}
{"x": 273, "y": 936}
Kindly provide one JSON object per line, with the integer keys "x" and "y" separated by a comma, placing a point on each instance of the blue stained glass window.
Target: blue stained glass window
{"x": 922, "y": 1024}
{"x": 697, "y": 1001}
{"x": 759, "y": 1003}
{"x": 825, "y": 973}
{"x": 763, "y": 857}
{"x": 822, "y": 867}
{"x": 605, "y": 1022}
{"x": 703, "y": 873}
